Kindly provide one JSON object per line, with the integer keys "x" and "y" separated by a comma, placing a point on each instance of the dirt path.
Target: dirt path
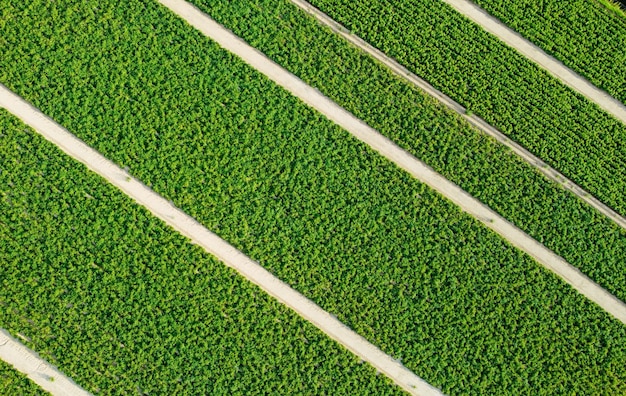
{"x": 36, "y": 369}
{"x": 537, "y": 55}
{"x": 476, "y": 121}
{"x": 186, "y": 225}
{"x": 398, "y": 156}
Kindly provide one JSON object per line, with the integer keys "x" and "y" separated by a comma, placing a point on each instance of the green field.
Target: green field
{"x": 585, "y": 35}
{"x": 386, "y": 255}
{"x": 119, "y": 302}
{"x": 479, "y": 165}
{"x": 15, "y": 383}
{"x": 495, "y": 82}
{"x": 488, "y": 171}
{"x": 562, "y": 222}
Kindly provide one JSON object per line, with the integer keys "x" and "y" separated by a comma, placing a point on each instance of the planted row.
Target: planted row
{"x": 12, "y": 382}
{"x": 122, "y": 304}
{"x": 486, "y": 170}
{"x": 585, "y": 35}
{"x": 390, "y": 258}
{"x": 498, "y": 84}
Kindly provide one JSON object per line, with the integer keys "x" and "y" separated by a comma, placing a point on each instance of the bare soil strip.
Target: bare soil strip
{"x": 36, "y": 369}
{"x": 476, "y": 121}
{"x": 398, "y": 156}
{"x": 213, "y": 244}
{"x": 537, "y": 55}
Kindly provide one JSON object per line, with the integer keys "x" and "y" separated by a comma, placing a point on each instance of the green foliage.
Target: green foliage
{"x": 390, "y": 258}
{"x": 498, "y": 84}
{"x": 12, "y": 382}
{"x": 617, "y": 6}
{"x": 488, "y": 171}
{"x": 124, "y": 305}
{"x": 586, "y": 35}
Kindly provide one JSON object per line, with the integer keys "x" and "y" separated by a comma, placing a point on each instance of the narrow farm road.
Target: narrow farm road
{"x": 213, "y": 244}
{"x": 36, "y": 369}
{"x": 398, "y": 156}
{"x": 473, "y": 119}
{"x": 537, "y": 55}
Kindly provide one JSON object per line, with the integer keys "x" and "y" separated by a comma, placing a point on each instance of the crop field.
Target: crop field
{"x": 120, "y": 302}
{"x": 501, "y": 86}
{"x": 15, "y": 383}
{"x": 586, "y": 35}
{"x": 123, "y": 304}
{"x": 486, "y": 170}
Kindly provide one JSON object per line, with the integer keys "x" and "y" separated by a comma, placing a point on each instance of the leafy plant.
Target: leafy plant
{"x": 124, "y": 305}
{"x": 393, "y": 260}
{"x": 587, "y": 36}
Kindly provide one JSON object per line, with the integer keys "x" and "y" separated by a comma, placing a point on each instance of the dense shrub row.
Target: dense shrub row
{"x": 488, "y": 171}
{"x": 124, "y": 305}
{"x": 390, "y": 258}
{"x": 584, "y": 34}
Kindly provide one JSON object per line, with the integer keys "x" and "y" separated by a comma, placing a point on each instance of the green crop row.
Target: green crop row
{"x": 12, "y": 382}
{"x": 617, "y": 6}
{"x": 498, "y": 84}
{"x": 585, "y": 35}
{"x": 124, "y": 305}
{"x": 392, "y": 259}
{"x": 488, "y": 171}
